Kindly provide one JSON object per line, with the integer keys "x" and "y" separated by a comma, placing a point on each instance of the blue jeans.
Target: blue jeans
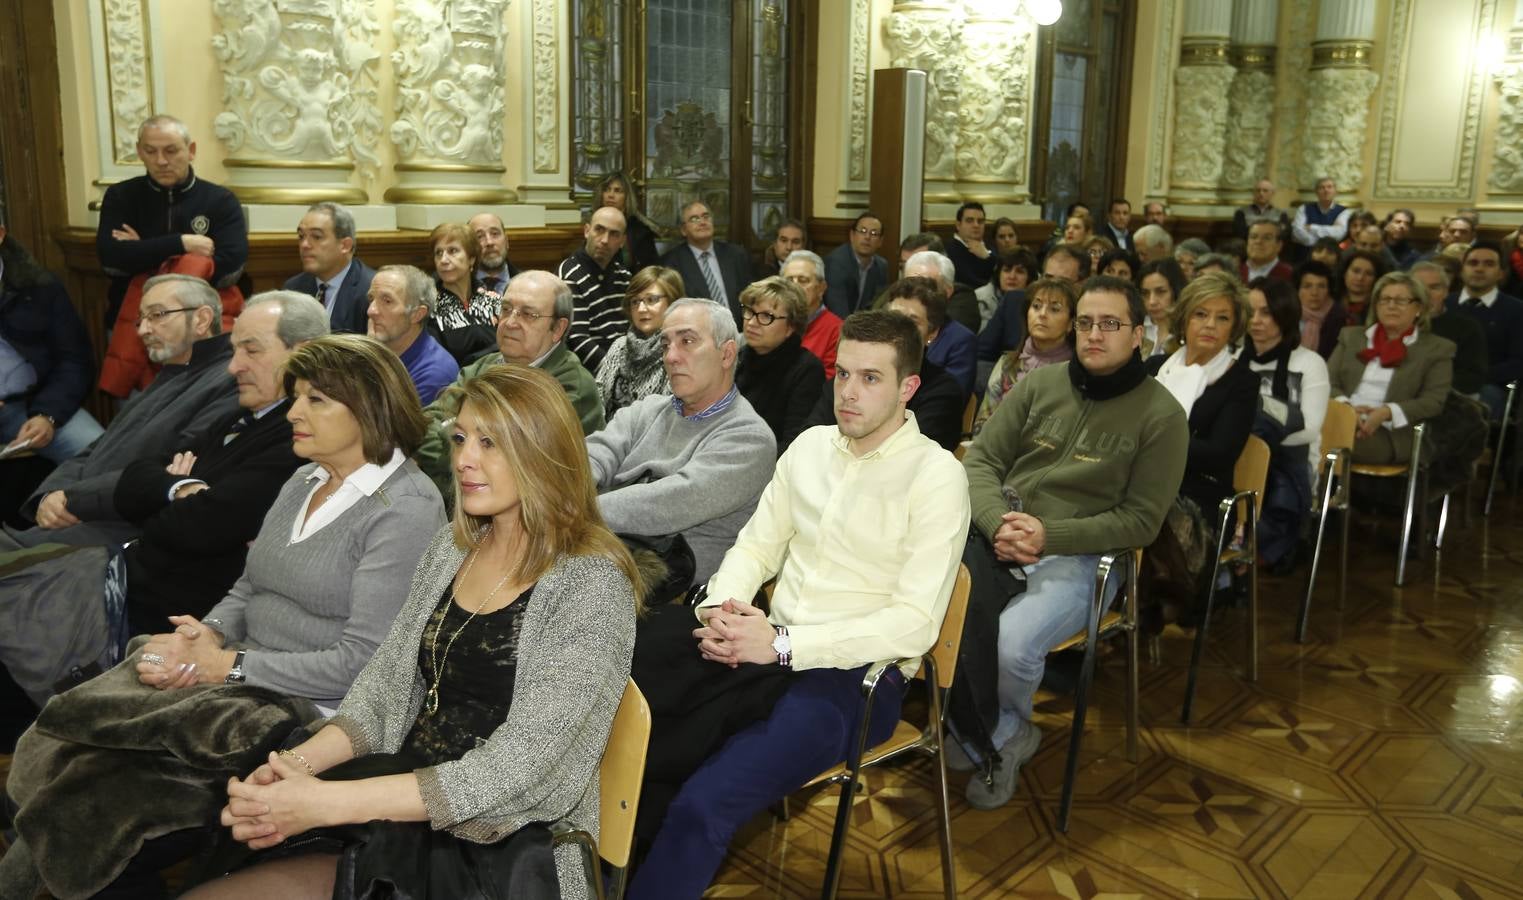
{"x": 809, "y": 731}
{"x": 1056, "y": 604}
{"x": 1495, "y": 398}
{"x": 79, "y": 432}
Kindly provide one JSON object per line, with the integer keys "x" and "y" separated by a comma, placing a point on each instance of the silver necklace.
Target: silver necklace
{"x": 431, "y": 702}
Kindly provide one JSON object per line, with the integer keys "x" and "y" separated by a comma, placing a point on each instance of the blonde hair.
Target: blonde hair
{"x": 1417, "y": 289}
{"x": 526, "y": 414}
{"x": 1210, "y": 286}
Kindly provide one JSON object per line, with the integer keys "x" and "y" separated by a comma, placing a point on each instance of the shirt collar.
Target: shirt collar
{"x": 540, "y": 363}
{"x": 698, "y": 254}
{"x": 1486, "y": 299}
{"x": 367, "y": 479}
{"x": 260, "y": 413}
{"x": 722, "y": 404}
{"x": 338, "y": 279}
{"x": 906, "y": 432}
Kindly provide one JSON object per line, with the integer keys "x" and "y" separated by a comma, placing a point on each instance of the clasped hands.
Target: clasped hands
{"x": 277, "y": 801}
{"x": 1371, "y": 418}
{"x": 735, "y": 632}
{"x": 191, "y": 654}
{"x": 1020, "y": 539}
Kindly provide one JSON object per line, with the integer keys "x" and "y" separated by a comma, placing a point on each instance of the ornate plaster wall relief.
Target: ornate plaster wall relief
{"x": 927, "y": 36}
{"x": 299, "y": 92}
{"x": 547, "y": 104}
{"x": 1158, "y": 130}
{"x": 993, "y": 126}
{"x": 1250, "y": 103}
{"x": 1337, "y": 120}
{"x": 1507, "y": 157}
{"x": 128, "y": 76}
{"x": 857, "y": 86}
{"x": 1200, "y": 125}
{"x": 448, "y": 69}
{"x": 1290, "y": 99}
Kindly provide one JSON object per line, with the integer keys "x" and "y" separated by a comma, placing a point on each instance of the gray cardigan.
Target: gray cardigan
{"x": 541, "y": 764}
{"x": 311, "y": 614}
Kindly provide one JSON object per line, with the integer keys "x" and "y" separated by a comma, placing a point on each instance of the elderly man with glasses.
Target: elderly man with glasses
{"x": 180, "y": 323}
{"x": 854, "y": 272}
{"x": 713, "y": 269}
{"x": 532, "y": 325}
{"x": 1077, "y": 460}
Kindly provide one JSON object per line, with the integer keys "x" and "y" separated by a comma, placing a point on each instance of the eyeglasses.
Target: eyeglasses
{"x": 1397, "y": 302}
{"x": 763, "y": 318}
{"x": 650, "y": 300}
{"x": 528, "y": 315}
{"x": 1084, "y": 324}
{"x": 154, "y": 315}
{"x": 700, "y": 217}
{"x": 868, "y": 232}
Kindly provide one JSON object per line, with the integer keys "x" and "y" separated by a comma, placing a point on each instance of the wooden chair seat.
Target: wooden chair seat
{"x": 1380, "y": 471}
{"x": 905, "y": 737}
{"x": 1107, "y": 623}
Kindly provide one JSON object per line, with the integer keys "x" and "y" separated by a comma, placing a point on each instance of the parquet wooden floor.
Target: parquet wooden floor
{"x": 1381, "y": 758}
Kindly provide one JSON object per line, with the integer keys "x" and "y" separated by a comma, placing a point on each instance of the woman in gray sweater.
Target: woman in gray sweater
{"x": 485, "y": 713}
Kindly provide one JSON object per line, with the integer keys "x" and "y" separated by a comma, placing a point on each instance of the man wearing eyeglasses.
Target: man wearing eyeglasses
{"x": 532, "y": 325}
{"x": 854, "y": 272}
{"x": 180, "y": 323}
{"x": 1078, "y": 460}
{"x": 711, "y": 269}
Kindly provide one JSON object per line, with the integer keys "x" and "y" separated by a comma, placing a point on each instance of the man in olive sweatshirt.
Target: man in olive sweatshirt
{"x": 1077, "y": 461}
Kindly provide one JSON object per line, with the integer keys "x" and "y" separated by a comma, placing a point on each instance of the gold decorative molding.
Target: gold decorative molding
{"x": 1341, "y": 54}
{"x": 1204, "y": 52}
{"x": 447, "y": 167}
{"x": 324, "y": 164}
{"x": 1253, "y": 57}
{"x": 299, "y": 196}
{"x": 439, "y": 195}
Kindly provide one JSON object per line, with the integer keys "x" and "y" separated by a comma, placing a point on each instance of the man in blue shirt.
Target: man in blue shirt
{"x": 400, "y": 300}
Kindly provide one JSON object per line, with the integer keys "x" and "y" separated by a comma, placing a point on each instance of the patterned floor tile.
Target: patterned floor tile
{"x": 1464, "y": 845}
{"x": 1226, "y": 813}
{"x": 1332, "y": 854}
{"x": 1409, "y": 770}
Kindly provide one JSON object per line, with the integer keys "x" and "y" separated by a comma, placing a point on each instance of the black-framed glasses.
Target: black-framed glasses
{"x": 1084, "y": 324}
{"x": 155, "y": 315}
{"x": 763, "y": 318}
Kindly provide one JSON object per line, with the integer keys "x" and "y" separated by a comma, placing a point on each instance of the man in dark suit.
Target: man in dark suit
{"x": 713, "y": 270}
{"x": 970, "y": 256}
{"x": 330, "y": 272}
{"x": 854, "y": 272}
{"x": 1501, "y": 315}
{"x": 1117, "y": 222}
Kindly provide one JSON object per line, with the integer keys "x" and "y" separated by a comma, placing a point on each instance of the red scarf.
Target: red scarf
{"x": 1391, "y": 351}
{"x": 1516, "y": 260}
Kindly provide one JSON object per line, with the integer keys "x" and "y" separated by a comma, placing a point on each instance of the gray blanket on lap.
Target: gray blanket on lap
{"x": 113, "y": 763}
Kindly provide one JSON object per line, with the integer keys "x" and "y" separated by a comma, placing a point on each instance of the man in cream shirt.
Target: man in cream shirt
{"x": 863, "y": 525}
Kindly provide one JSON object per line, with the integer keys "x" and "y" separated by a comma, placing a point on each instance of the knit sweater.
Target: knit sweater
{"x": 1100, "y": 474}
{"x": 541, "y": 765}
{"x": 660, "y": 473}
{"x": 597, "y": 294}
{"x": 311, "y": 614}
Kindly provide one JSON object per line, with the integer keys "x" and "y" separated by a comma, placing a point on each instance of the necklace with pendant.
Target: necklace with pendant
{"x": 431, "y": 702}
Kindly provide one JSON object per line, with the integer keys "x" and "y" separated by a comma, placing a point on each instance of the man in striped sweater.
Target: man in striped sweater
{"x": 598, "y": 283}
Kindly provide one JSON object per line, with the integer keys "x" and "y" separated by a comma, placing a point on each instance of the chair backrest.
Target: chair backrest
{"x": 620, "y": 775}
{"x": 968, "y": 414}
{"x": 1339, "y": 427}
{"x": 949, "y": 641}
{"x": 1251, "y": 471}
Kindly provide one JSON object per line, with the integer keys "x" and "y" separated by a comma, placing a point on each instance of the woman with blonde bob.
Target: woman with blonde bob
{"x": 484, "y": 714}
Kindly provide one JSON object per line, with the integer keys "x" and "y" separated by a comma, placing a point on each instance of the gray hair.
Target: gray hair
{"x": 948, "y": 272}
{"x": 1428, "y": 265}
{"x": 565, "y": 303}
{"x": 1223, "y": 261}
{"x": 1154, "y": 236}
{"x": 417, "y": 287}
{"x": 682, "y": 215}
{"x": 721, "y": 320}
{"x": 1194, "y": 246}
{"x": 164, "y": 123}
{"x": 302, "y": 318}
{"x": 810, "y": 257}
{"x": 1264, "y": 220}
{"x": 191, "y": 293}
{"x": 343, "y": 219}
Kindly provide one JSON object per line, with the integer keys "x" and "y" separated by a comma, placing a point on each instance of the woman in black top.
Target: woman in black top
{"x": 639, "y": 232}
{"x": 775, "y": 373}
{"x": 464, "y": 320}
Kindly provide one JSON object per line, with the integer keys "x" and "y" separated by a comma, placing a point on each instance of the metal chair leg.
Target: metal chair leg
{"x": 1496, "y": 455}
{"x": 1197, "y": 650}
{"x": 1443, "y": 520}
{"x": 944, "y": 809}
{"x": 1316, "y": 553}
{"x": 1132, "y": 591}
{"x": 1081, "y": 693}
{"x": 1346, "y": 513}
{"x": 1414, "y": 466}
{"x": 1253, "y": 590}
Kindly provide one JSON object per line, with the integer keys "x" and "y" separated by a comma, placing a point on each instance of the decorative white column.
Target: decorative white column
{"x": 299, "y": 110}
{"x": 1251, "y": 100}
{"x": 126, "y": 71}
{"x": 994, "y": 108}
{"x": 856, "y": 88}
{"x": 1338, "y": 94}
{"x": 1201, "y": 87}
{"x": 1507, "y": 144}
{"x": 545, "y": 189}
{"x": 448, "y": 71}
{"x": 927, "y": 35}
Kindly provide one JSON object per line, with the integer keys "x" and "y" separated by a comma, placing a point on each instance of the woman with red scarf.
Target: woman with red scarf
{"x": 1395, "y": 372}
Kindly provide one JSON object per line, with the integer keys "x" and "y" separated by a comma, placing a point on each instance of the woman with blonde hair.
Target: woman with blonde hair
{"x": 632, "y": 369}
{"x": 483, "y": 716}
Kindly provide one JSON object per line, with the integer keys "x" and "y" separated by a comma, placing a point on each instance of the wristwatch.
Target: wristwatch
{"x": 235, "y": 674}
{"x": 783, "y": 647}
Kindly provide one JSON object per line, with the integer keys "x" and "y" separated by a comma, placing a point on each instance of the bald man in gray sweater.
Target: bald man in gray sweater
{"x": 693, "y": 463}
